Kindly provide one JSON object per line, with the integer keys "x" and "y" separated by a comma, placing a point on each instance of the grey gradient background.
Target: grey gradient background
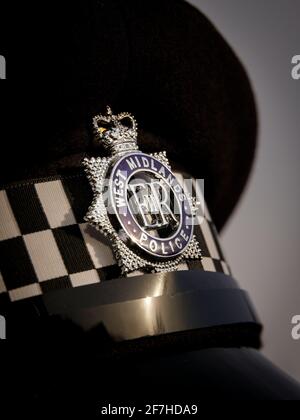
{"x": 2, "y": 67}
{"x": 263, "y": 236}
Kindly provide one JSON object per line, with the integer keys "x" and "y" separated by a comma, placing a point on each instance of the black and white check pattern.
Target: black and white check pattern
{"x": 45, "y": 244}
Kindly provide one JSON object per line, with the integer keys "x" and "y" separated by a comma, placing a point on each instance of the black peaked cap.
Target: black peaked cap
{"x": 162, "y": 60}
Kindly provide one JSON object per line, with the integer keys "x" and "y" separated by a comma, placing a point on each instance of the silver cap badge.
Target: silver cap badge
{"x": 138, "y": 202}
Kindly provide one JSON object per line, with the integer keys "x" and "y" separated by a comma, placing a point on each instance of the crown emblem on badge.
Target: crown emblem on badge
{"x": 138, "y": 202}
{"x": 118, "y": 133}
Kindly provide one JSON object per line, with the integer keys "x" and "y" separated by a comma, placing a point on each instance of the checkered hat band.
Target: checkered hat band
{"x": 45, "y": 244}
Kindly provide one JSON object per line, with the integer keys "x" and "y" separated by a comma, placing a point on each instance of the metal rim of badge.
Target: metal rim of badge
{"x": 143, "y": 210}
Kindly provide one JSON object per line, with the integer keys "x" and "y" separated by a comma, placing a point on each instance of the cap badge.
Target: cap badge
{"x": 138, "y": 202}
